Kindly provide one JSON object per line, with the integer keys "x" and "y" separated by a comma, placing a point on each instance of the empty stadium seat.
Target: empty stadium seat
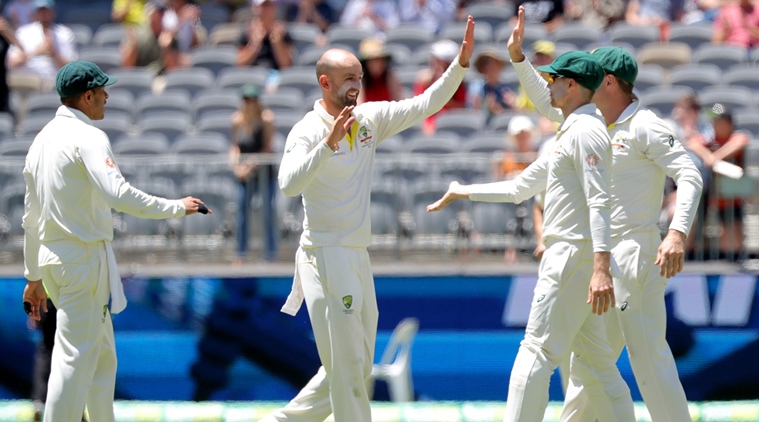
{"x": 215, "y": 100}
{"x": 347, "y": 35}
{"x": 492, "y": 14}
{"x": 695, "y": 76}
{"x": 464, "y": 122}
{"x": 663, "y": 99}
{"x": 115, "y": 126}
{"x": 649, "y": 76}
{"x": 303, "y": 34}
{"x": 193, "y": 80}
{"x": 578, "y": 34}
{"x": 433, "y": 145}
{"x": 106, "y": 57}
{"x": 284, "y": 121}
{"x": 236, "y": 77}
{"x": 635, "y": 35}
{"x": 724, "y": 56}
{"x": 485, "y": 143}
{"x": 746, "y": 119}
{"x": 302, "y": 78}
{"x": 742, "y": 76}
{"x": 15, "y": 148}
{"x": 225, "y": 34}
{"x": 143, "y": 144}
{"x": 285, "y": 99}
{"x": 385, "y": 206}
{"x": 695, "y": 35}
{"x": 415, "y": 37}
{"x": 31, "y": 125}
{"x": 425, "y": 192}
{"x": 666, "y": 55}
{"x": 734, "y": 98}
{"x": 43, "y": 104}
{"x": 219, "y": 122}
{"x": 137, "y": 81}
{"x": 109, "y": 35}
{"x": 454, "y": 31}
{"x": 215, "y": 58}
{"x": 202, "y": 144}
{"x": 173, "y": 101}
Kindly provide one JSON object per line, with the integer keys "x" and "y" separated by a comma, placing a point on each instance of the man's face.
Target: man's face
{"x": 559, "y": 87}
{"x": 345, "y": 84}
{"x": 45, "y": 16}
{"x": 722, "y": 127}
{"x": 268, "y": 11}
{"x": 97, "y": 106}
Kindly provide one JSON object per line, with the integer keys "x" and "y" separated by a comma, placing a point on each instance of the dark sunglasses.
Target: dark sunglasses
{"x": 552, "y": 77}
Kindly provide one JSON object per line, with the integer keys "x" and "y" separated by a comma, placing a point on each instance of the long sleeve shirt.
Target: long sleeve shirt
{"x": 575, "y": 174}
{"x": 645, "y": 150}
{"x": 336, "y": 185}
{"x": 72, "y": 183}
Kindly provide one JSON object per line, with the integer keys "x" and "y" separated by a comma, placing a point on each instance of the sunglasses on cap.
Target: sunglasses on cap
{"x": 552, "y": 77}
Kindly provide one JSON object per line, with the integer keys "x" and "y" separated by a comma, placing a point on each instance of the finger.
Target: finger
{"x": 680, "y": 264}
{"x": 469, "y": 33}
{"x": 348, "y": 123}
{"x": 613, "y": 300}
{"x": 663, "y": 266}
{"x": 590, "y": 296}
{"x": 520, "y": 21}
{"x": 43, "y": 304}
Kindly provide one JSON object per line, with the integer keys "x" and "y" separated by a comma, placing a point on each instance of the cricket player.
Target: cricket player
{"x": 72, "y": 183}
{"x": 329, "y": 159}
{"x": 644, "y": 151}
{"x": 575, "y": 268}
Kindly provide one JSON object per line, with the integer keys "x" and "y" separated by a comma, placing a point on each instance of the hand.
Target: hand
{"x": 455, "y": 191}
{"x": 601, "y": 292}
{"x": 538, "y": 252}
{"x": 671, "y": 254}
{"x": 34, "y": 294}
{"x": 517, "y": 37}
{"x": 467, "y": 45}
{"x": 192, "y": 205}
{"x": 341, "y": 126}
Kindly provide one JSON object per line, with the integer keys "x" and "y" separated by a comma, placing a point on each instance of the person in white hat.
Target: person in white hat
{"x": 442, "y": 54}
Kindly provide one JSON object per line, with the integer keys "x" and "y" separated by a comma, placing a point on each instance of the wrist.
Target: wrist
{"x": 677, "y": 233}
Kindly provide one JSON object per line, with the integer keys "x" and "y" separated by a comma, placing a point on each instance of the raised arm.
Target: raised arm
{"x": 394, "y": 117}
{"x": 534, "y": 85}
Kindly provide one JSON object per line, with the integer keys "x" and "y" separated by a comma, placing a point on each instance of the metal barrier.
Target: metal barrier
{"x": 403, "y": 185}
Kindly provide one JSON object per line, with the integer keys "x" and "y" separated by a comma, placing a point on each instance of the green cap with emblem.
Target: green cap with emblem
{"x": 578, "y": 65}
{"x": 78, "y": 77}
{"x": 618, "y": 62}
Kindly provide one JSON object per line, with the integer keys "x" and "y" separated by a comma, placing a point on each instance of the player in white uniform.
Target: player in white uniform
{"x": 575, "y": 268}
{"x": 645, "y": 151}
{"x": 72, "y": 183}
{"x": 329, "y": 159}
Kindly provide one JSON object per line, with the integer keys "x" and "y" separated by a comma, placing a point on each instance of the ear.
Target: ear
{"x": 324, "y": 81}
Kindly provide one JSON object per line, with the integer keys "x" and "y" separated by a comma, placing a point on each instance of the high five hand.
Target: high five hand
{"x": 341, "y": 126}
{"x": 455, "y": 191}
{"x": 517, "y": 37}
{"x": 467, "y": 46}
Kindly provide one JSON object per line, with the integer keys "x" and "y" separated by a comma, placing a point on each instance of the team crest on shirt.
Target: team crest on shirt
{"x": 592, "y": 160}
{"x": 365, "y": 137}
{"x": 348, "y": 302}
{"x": 105, "y": 311}
{"x": 621, "y": 141}
{"x": 109, "y": 162}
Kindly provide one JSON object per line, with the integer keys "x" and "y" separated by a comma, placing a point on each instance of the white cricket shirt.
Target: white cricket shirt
{"x": 72, "y": 183}
{"x": 575, "y": 174}
{"x": 336, "y": 185}
{"x": 645, "y": 150}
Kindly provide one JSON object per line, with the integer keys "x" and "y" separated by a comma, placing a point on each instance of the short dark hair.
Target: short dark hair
{"x": 626, "y": 87}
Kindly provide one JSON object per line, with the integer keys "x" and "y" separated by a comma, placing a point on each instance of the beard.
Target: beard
{"x": 342, "y": 99}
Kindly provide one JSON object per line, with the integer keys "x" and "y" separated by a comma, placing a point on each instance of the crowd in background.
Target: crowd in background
{"x": 160, "y": 35}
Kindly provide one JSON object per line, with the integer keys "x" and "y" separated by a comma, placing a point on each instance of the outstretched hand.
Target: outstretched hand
{"x": 517, "y": 38}
{"x": 194, "y": 205}
{"x": 467, "y": 45}
{"x": 455, "y": 191}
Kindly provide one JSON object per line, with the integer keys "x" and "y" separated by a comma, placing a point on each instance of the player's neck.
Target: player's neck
{"x": 331, "y": 108}
{"x": 614, "y": 108}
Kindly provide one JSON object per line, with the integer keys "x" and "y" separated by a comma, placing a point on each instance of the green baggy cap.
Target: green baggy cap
{"x": 618, "y": 62}
{"x": 78, "y": 77}
{"x": 578, "y": 65}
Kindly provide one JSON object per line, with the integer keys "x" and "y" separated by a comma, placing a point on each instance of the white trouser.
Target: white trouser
{"x": 560, "y": 321}
{"x": 83, "y": 367}
{"x": 642, "y": 317}
{"x": 338, "y": 287}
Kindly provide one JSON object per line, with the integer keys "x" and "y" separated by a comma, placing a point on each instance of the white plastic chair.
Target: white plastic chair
{"x": 395, "y": 365}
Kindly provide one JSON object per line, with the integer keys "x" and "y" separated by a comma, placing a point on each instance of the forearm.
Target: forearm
{"x": 689, "y": 188}
{"x": 600, "y": 223}
{"x": 602, "y": 262}
{"x": 282, "y": 54}
{"x": 135, "y": 202}
{"x": 31, "y": 253}
{"x": 730, "y": 149}
{"x": 297, "y": 171}
{"x": 248, "y": 53}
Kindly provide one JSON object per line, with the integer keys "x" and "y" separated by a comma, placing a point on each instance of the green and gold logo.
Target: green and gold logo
{"x": 105, "y": 310}
{"x": 348, "y": 301}
{"x": 363, "y": 132}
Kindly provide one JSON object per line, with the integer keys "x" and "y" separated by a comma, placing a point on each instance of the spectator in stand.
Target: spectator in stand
{"x": 599, "y": 14}
{"x": 521, "y": 150}
{"x": 728, "y": 145}
{"x": 317, "y": 12}
{"x": 430, "y": 14}
{"x": 737, "y": 23}
{"x": 266, "y": 42}
{"x": 152, "y": 46}
{"x": 379, "y": 82}
{"x": 375, "y": 15}
{"x": 654, "y": 12}
{"x": 548, "y": 12}
{"x": 20, "y": 12}
{"x": 253, "y": 133}
{"x": 129, "y": 12}
{"x": 182, "y": 18}
{"x": 442, "y": 53}
{"x": 488, "y": 93}
{"x": 46, "y": 45}
{"x": 543, "y": 53}
{"x": 7, "y": 38}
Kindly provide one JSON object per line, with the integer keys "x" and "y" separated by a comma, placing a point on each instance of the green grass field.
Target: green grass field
{"x": 153, "y": 411}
